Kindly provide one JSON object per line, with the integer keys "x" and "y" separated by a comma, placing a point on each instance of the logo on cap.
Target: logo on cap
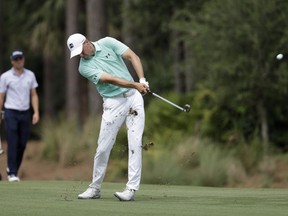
{"x": 71, "y": 45}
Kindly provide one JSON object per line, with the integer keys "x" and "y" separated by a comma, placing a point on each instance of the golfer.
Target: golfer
{"x": 102, "y": 63}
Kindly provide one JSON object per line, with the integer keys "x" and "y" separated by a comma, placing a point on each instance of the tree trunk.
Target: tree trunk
{"x": 48, "y": 88}
{"x": 1, "y": 36}
{"x": 96, "y": 29}
{"x": 189, "y": 79}
{"x": 72, "y": 76}
{"x": 128, "y": 36}
{"x": 126, "y": 28}
{"x": 264, "y": 126}
{"x": 178, "y": 55}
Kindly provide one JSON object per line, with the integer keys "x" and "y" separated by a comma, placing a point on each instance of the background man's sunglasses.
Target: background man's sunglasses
{"x": 18, "y": 58}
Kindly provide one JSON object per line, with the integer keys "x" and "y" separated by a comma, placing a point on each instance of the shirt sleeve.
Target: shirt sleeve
{"x": 34, "y": 83}
{"x": 90, "y": 73}
{"x": 3, "y": 86}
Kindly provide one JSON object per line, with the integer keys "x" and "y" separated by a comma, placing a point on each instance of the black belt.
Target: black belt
{"x": 19, "y": 111}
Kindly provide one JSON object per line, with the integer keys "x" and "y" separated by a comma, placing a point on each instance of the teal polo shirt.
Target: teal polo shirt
{"x": 107, "y": 59}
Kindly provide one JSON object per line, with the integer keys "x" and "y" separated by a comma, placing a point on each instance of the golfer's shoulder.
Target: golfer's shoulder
{"x": 108, "y": 41}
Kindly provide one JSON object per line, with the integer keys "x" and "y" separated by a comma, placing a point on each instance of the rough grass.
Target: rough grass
{"x": 173, "y": 159}
{"x": 60, "y": 198}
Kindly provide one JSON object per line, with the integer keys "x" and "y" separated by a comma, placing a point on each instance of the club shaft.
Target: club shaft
{"x": 167, "y": 101}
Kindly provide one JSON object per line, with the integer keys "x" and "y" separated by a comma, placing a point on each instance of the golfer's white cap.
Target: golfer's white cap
{"x": 75, "y": 44}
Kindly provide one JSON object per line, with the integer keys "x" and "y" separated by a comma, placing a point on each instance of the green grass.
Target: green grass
{"x": 60, "y": 198}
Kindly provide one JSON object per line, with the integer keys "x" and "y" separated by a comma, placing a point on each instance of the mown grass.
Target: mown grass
{"x": 43, "y": 198}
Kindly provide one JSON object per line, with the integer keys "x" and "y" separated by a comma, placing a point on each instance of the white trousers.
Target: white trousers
{"x": 117, "y": 110}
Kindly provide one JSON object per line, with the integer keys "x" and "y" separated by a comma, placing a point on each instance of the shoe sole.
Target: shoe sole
{"x": 14, "y": 180}
{"x": 120, "y": 199}
{"x": 85, "y": 198}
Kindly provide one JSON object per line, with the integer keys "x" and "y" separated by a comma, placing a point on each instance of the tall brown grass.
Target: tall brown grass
{"x": 191, "y": 161}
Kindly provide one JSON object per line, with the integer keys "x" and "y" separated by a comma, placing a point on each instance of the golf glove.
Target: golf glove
{"x": 143, "y": 81}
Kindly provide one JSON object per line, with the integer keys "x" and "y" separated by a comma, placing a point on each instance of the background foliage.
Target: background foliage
{"x": 218, "y": 56}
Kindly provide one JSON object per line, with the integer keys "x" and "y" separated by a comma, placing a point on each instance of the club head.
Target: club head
{"x": 187, "y": 108}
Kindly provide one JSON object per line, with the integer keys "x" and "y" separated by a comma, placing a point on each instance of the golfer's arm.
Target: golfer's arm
{"x": 135, "y": 61}
{"x": 107, "y": 78}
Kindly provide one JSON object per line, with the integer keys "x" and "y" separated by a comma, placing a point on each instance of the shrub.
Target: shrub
{"x": 61, "y": 141}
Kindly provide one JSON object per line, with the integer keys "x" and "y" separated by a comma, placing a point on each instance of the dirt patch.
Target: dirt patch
{"x": 33, "y": 168}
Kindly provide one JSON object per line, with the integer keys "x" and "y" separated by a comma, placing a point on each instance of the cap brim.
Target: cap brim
{"x": 76, "y": 51}
{"x": 16, "y": 56}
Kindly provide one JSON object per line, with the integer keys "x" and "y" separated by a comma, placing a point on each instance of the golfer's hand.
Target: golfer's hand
{"x": 143, "y": 81}
{"x": 142, "y": 88}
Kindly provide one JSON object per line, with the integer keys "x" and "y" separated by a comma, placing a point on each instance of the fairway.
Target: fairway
{"x": 60, "y": 198}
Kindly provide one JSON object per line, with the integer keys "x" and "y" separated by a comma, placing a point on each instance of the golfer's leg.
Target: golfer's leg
{"x": 110, "y": 125}
{"x": 135, "y": 125}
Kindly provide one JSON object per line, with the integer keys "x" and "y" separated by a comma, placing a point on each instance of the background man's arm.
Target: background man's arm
{"x": 35, "y": 106}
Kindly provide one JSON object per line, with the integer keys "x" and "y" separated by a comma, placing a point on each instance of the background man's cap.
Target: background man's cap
{"x": 17, "y": 54}
{"x": 75, "y": 44}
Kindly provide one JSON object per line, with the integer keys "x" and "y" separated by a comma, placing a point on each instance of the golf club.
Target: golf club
{"x": 185, "y": 108}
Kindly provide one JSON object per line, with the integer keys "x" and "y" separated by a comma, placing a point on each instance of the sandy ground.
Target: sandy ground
{"x": 33, "y": 168}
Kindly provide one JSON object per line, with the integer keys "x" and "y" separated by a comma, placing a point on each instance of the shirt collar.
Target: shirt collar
{"x": 15, "y": 73}
{"x": 97, "y": 47}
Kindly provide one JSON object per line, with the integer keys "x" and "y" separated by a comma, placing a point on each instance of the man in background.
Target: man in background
{"x": 17, "y": 90}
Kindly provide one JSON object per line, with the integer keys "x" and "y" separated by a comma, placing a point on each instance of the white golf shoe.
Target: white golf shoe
{"x": 13, "y": 178}
{"x": 126, "y": 195}
{"x": 90, "y": 193}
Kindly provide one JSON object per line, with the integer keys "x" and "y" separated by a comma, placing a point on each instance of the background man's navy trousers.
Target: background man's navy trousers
{"x": 17, "y": 124}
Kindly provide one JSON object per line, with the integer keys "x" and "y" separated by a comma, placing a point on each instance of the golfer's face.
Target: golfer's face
{"x": 88, "y": 50}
